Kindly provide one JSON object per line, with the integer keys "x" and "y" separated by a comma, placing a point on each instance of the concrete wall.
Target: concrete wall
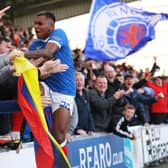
{"x": 25, "y": 19}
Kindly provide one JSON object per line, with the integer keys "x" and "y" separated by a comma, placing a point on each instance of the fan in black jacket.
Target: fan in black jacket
{"x": 126, "y": 120}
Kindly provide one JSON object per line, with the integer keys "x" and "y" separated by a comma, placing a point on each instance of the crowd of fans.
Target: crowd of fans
{"x": 19, "y": 37}
{"x": 111, "y": 88}
{"x": 109, "y": 96}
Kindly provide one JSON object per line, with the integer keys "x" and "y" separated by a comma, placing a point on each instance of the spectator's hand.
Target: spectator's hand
{"x": 53, "y": 66}
{"x": 14, "y": 53}
{"x": 91, "y": 133}
{"x": 81, "y": 132}
{"x": 2, "y": 11}
{"x": 159, "y": 96}
{"x": 90, "y": 65}
{"x": 132, "y": 136}
{"x": 68, "y": 137}
{"x": 38, "y": 61}
{"x": 140, "y": 91}
{"x": 128, "y": 91}
{"x": 155, "y": 58}
{"x": 46, "y": 101}
{"x": 146, "y": 124}
{"x": 24, "y": 49}
{"x": 118, "y": 94}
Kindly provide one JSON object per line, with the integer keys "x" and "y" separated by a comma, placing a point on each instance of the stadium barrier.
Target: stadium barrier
{"x": 101, "y": 151}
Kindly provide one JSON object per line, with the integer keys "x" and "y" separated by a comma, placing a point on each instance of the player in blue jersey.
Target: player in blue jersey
{"x": 52, "y": 43}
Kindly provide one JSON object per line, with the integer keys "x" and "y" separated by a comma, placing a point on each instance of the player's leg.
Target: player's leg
{"x": 61, "y": 119}
{"x": 62, "y": 106}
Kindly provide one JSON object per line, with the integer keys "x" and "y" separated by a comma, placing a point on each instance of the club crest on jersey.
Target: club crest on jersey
{"x": 115, "y": 33}
{"x": 38, "y": 47}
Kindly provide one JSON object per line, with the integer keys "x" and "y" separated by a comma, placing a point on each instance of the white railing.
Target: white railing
{"x": 103, "y": 150}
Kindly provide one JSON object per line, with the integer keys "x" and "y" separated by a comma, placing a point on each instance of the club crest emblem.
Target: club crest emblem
{"x": 117, "y": 30}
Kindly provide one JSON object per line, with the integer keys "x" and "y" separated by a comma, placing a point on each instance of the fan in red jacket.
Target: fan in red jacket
{"x": 159, "y": 109}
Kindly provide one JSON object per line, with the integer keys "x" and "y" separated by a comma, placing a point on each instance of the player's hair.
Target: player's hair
{"x": 48, "y": 15}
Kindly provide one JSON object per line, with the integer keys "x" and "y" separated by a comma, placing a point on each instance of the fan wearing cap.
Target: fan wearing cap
{"x": 138, "y": 99}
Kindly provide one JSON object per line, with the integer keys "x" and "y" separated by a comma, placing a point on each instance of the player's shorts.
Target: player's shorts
{"x": 58, "y": 100}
